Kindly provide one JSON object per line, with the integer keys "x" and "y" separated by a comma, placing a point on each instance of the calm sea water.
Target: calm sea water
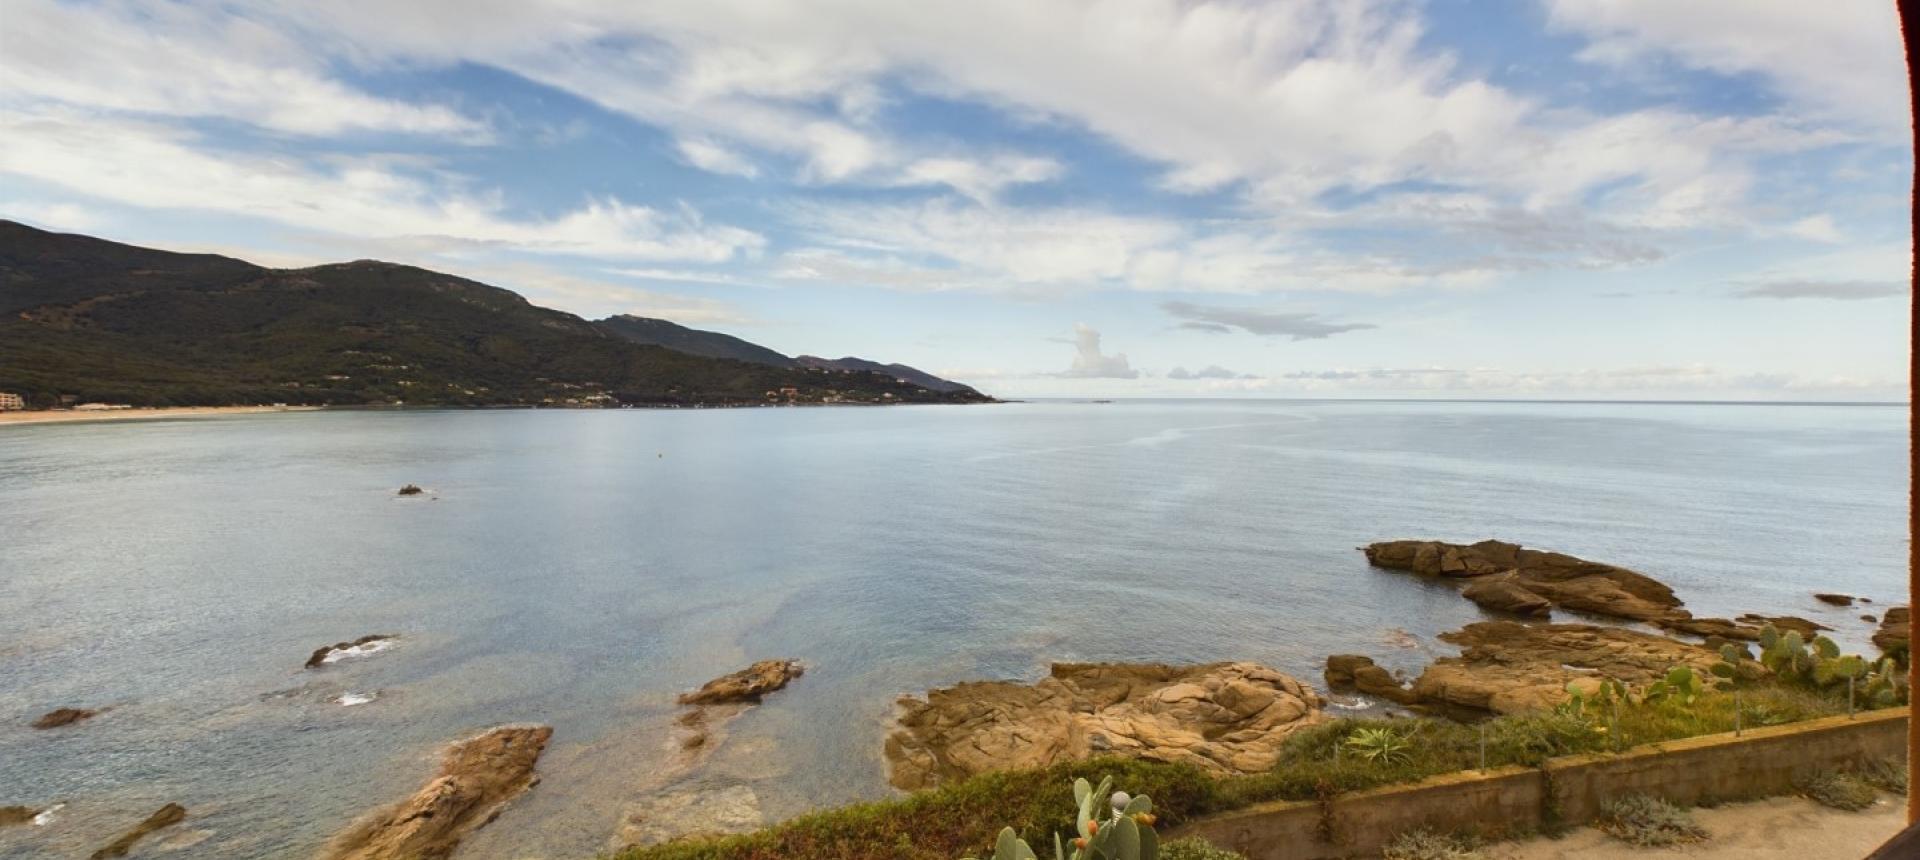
{"x": 580, "y": 568}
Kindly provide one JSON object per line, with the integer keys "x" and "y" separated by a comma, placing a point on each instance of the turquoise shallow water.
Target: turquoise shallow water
{"x": 580, "y": 568}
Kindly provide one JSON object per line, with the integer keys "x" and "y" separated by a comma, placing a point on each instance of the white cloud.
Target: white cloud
{"x": 714, "y": 158}
{"x": 594, "y": 299}
{"x": 1830, "y": 60}
{"x": 1090, "y": 363}
{"x": 1211, "y": 371}
{"x": 184, "y": 61}
{"x": 1816, "y": 228}
{"x": 153, "y": 166}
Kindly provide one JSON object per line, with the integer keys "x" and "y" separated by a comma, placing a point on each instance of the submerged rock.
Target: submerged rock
{"x": 746, "y": 685}
{"x": 1222, "y": 717}
{"x": 692, "y": 813}
{"x": 166, "y": 816}
{"x": 1508, "y": 667}
{"x": 366, "y": 644}
{"x": 1563, "y": 580}
{"x": 63, "y": 717}
{"x": 477, "y": 779}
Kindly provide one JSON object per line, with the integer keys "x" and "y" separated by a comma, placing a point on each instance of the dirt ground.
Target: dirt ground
{"x": 1781, "y": 828}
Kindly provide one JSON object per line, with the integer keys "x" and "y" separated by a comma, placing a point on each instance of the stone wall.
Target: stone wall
{"x": 1757, "y": 763}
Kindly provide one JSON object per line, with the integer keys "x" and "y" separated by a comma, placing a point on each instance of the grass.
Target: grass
{"x": 1649, "y": 822}
{"x": 962, "y": 818}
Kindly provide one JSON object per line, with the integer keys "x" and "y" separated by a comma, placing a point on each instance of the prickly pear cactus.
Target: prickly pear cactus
{"x": 1125, "y": 834}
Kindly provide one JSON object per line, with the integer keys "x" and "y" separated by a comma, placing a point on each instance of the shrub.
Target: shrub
{"x": 1840, "y": 790}
{"x": 1428, "y": 845}
{"x": 1649, "y": 821}
{"x": 1195, "y": 848}
{"x": 1379, "y": 745}
{"x": 1887, "y": 774}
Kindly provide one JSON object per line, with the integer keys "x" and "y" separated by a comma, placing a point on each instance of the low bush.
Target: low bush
{"x": 1428, "y": 845}
{"x": 1887, "y": 774}
{"x": 1840, "y": 790}
{"x": 1649, "y": 822}
{"x": 1194, "y": 848}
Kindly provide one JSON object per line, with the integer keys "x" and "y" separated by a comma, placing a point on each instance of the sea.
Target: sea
{"x": 579, "y": 569}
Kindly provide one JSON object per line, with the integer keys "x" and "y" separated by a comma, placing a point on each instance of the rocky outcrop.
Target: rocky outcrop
{"x": 1223, "y": 717}
{"x": 1892, "y": 637}
{"x": 1785, "y": 623}
{"x": 11, "y": 815}
{"x": 1834, "y": 599}
{"x": 364, "y": 645}
{"x": 1563, "y": 580}
{"x": 166, "y": 816}
{"x": 63, "y": 717}
{"x": 411, "y": 490}
{"x": 477, "y": 779}
{"x": 1500, "y": 592}
{"x": 1352, "y": 671}
{"x": 746, "y": 685}
{"x": 1508, "y": 667}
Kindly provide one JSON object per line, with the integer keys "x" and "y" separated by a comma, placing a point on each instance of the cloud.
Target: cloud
{"x": 369, "y": 198}
{"x": 1211, "y": 371}
{"x": 714, "y": 158}
{"x": 594, "y": 299}
{"x": 1089, "y": 363}
{"x": 1649, "y": 381}
{"x": 184, "y": 61}
{"x": 1816, "y": 228}
{"x": 1830, "y": 60}
{"x": 1297, "y": 326}
{"x": 1838, "y": 290}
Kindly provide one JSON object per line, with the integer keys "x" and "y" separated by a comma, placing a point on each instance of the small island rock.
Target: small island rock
{"x": 1834, "y": 599}
{"x": 477, "y": 779}
{"x": 411, "y": 490}
{"x": 320, "y": 654}
{"x": 63, "y": 717}
{"x": 1222, "y": 717}
{"x": 746, "y": 685}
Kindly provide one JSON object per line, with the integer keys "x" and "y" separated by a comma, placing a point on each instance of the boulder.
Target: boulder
{"x": 166, "y": 816}
{"x": 364, "y": 645}
{"x": 1502, "y": 594}
{"x": 1564, "y": 581}
{"x": 1224, "y": 718}
{"x": 746, "y": 685}
{"x": 1340, "y": 668}
{"x": 477, "y": 779}
{"x": 1869, "y": 618}
{"x": 63, "y": 717}
{"x": 1834, "y": 599}
{"x": 1891, "y": 638}
{"x": 1377, "y": 681}
{"x": 1508, "y": 667}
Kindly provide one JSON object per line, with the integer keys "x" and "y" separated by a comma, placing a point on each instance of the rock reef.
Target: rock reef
{"x": 1223, "y": 717}
{"x": 746, "y": 685}
{"x": 1358, "y": 672}
{"x": 328, "y": 653}
{"x": 1508, "y": 667}
{"x": 477, "y": 779}
{"x": 63, "y": 717}
{"x": 166, "y": 816}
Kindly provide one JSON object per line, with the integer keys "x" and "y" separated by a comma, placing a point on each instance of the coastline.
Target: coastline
{"x": 63, "y": 416}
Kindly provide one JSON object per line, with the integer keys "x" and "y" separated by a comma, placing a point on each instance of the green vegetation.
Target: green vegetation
{"x": 1428, "y": 845}
{"x": 1379, "y": 745}
{"x": 1194, "y": 848}
{"x": 1819, "y": 665}
{"x": 1125, "y": 834}
{"x": 1887, "y": 774}
{"x": 94, "y": 320}
{"x": 1840, "y": 790}
{"x": 1316, "y": 764}
{"x": 1649, "y": 822}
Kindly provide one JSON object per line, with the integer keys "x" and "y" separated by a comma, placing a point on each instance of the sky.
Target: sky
{"x": 1608, "y": 199}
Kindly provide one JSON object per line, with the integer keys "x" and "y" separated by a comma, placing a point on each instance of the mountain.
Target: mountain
{"x": 898, "y": 371}
{"x": 93, "y": 320}
{"x": 692, "y": 341}
{"x": 713, "y": 344}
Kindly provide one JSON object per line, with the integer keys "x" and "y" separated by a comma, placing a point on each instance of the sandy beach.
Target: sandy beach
{"x": 50, "y": 416}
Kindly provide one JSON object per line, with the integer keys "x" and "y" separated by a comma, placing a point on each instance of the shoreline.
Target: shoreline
{"x": 68, "y": 416}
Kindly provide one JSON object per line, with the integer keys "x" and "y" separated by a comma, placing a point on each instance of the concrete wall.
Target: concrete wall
{"x": 1760, "y": 762}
